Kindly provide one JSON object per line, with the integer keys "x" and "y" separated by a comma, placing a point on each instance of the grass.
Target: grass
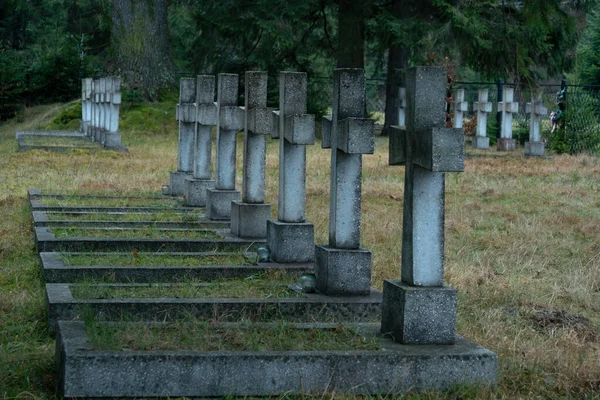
{"x": 232, "y": 289}
{"x": 146, "y": 259}
{"x": 200, "y": 335}
{"x": 166, "y": 216}
{"x": 78, "y": 201}
{"x": 522, "y": 248}
{"x": 141, "y": 233}
{"x": 59, "y": 141}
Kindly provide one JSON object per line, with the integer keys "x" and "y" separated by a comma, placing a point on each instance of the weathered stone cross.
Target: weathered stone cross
{"x": 508, "y": 107}
{"x": 535, "y": 146}
{"x": 205, "y": 117}
{"x": 482, "y": 106}
{"x": 86, "y": 105}
{"x": 342, "y": 267}
{"x": 419, "y": 309}
{"x": 186, "y": 115}
{"x": 460, "y": 107}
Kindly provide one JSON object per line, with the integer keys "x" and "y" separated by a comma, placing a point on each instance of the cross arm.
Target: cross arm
{"x": 300, "y": 129}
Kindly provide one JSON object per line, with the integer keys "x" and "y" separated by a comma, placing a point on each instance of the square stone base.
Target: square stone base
{"x": 506, "y": 144}
{"x": 177, "y": 182}
{"x": 195, "y": 191}
{"x": 112, "y": 139}
{"x": 291, "y": 241}
{"x": 218, "y": 203}
{"x": 343, "y": 272}
{"x": 249, "y": 220}
{"x": 419, "y": 315}
{"x": 534, "y": 149}
{"x": 481, "y": 142}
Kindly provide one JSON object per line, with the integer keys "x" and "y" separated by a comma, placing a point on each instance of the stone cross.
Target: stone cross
{"x": 97, "y": 110}
{"x": 535, "y": 146}
{"x": 401, "y": 104}
{"x": 482, "y": 106}
{"x": 507, "y": 107}
{"x": 230, "y": 121}
{"x": 460, "y": 107}
{"x": 205, "y": 118}
{"x": 291, "y": 238}
{"x": 106, "y": 99}
{"x": 249, "y": 216}
{"x": 419, "y": 309}
{"x": 86, "y": 105}
{"x": 343, "y": 267}
{"x": 186, "y": 115}
{"x": 113, "y": 137}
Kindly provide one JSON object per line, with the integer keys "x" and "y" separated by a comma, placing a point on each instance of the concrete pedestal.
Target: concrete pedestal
{"x": 507, "y": 144}
{"x": 249, "y": 220}
{"x": 291, "y": 241}
{"x": 195, "y": 191}
{"x": 481, "y": 142}
{"x": 112, "y": 139}
{"x": 343, "y": 271}
{"x": 419, "y": 315}
{"x": 534, "y": 149}
{"x": 177, "y": 182}
{"x": 218, "y": 203}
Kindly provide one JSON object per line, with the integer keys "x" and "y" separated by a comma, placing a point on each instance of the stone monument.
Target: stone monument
{"x": 460, "y": 107}
{"x": 186, "y": 115}
{"x": 291, "y": 238}
{"x": 343, "y": 267}
{"x": 537, "y": 111}
{"x": 508, "y": 107}
{"x": 482, "y": 106}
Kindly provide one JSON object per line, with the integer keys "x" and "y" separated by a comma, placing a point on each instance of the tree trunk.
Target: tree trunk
{"x": 351, "y": 36}
{"x": 397, "y": 61}
{"x": 140, "y": 45}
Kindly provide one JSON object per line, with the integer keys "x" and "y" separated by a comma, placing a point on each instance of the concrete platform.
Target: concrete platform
{"x": 42, "y": 219}
{"x": 45, "y": 241}
{"x": 62, "y": 306}
{"x": 54, "y": 270}
{"x": 85, "y": 372}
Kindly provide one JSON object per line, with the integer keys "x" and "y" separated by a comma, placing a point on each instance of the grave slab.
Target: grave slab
{"x": 310, "y": 307}
{"x": 54, "y": 270}
{"x": 86, "y": 372}
{"x": 46, "y": 241}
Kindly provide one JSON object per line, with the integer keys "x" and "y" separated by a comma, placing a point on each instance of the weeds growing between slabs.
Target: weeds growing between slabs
{"x": 166, "y": 216}
{"x": 153, "y": 259}
{"x": 149, "y": 233}
{"x": 204, "y": 336}
{"x": 77, "y": 201}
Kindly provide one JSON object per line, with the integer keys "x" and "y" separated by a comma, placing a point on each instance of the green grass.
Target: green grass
{"x": 146, "y": 259}
{"x": 140, "y": 233}
{"x": 200, "y": 335}
{"x": 77, "y": 201}
{"x": 166, "y": 216}
{"x": 59, "y": 141}
{"x": 232, "y": 289}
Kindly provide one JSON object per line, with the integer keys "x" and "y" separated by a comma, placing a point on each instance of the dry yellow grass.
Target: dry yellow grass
{"x": 523, "y": 249}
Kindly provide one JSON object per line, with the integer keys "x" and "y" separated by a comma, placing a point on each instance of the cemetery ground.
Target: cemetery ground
{"x": 522, "y": 248}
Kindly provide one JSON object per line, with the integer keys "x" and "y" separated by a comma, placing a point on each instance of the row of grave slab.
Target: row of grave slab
{"x": 414, "y": 318}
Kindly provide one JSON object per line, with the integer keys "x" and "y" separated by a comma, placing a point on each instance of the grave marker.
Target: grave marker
{"x": 460, "y": 107}
{"x": 535, "y": 146}
{"x": 482, "y": 106}
{"x": 401, "y": 104}
{"x": 186, "y": 115}
{"x": 230, "y": 121}
{"x": 291, "y": 238}
{"x": 206, "y": 118}
{"x": 507, "y": 107}
{"x": 249, "y": 216}
{"x": 419, "y": 309}
{"x": 342, "y": 267}
{"x": 86, "y": 105}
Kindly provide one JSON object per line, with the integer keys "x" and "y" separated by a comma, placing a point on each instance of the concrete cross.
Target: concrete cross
{"x": 401, "y": 105}
{"x": 291, "y": 238}
{"x": 482, "y": 106}
{"x": 419, "y": 308}
{"x": 537, "y": 111}
{"x": 342, "y": 267}
{"x": 205, "y": 118}
{"x": 507, "y": 107}
{"x": 230, "y": 121}
{"x": 185, "y": 113}
{"x": 249, "y": 216}
{"x": 460, "y": 107}
{"x": 86, "y": 105}
{"x": 113, "y": 137}
{"x": 97, "y": 110}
